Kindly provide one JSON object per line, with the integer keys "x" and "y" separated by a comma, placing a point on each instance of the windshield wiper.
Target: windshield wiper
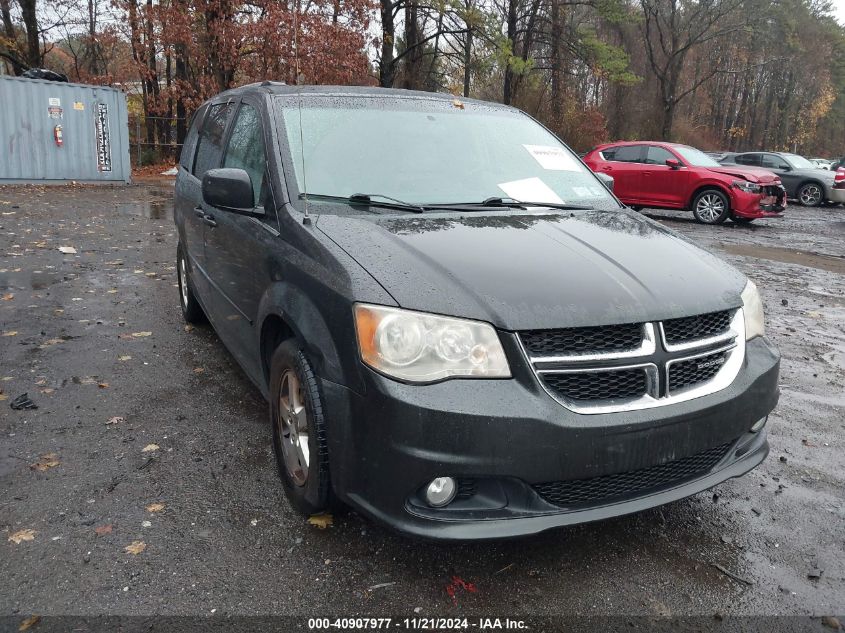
{"x": 368, "y": 199}
{"x": 510, "y": 203}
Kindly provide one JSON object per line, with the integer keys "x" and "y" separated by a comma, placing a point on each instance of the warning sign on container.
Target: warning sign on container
{"x": 101, "y": 124}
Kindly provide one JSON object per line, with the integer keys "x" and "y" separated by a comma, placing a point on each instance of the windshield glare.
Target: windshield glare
{"x": 799, "y": 162}
{"x": 430, "y": 151}
{"x": 696, "y": 158}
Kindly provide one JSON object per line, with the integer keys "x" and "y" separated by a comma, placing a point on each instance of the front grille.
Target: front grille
{"x": 598, "y": 385}
{"x": 466, "y": 488}
{"x": 701, "y": 326}
{"x": 694, "y": 371}
{"x": 579, "y": 340}
{"x": 606, "y": 488}
{"x": 613, "y": 368}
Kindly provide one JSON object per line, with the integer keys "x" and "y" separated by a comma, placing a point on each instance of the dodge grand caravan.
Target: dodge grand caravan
{"x": 459, "y": 329}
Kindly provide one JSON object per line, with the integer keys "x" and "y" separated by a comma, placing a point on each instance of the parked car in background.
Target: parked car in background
{"x": 803, "y": 181}
{"x": 821, "y": 163}
{"x": 672, "y": 176}
{"x": 459, "y": 330}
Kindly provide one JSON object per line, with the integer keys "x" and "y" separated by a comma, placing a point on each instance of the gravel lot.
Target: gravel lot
{"x": 97, "y": 341}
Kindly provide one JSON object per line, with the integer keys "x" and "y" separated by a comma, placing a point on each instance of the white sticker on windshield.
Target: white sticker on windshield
{"x": 553, "y": 158}
{"x": 530, "y": 190}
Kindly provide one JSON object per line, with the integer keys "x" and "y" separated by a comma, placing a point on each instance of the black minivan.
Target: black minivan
{"x": 459, "y": 329}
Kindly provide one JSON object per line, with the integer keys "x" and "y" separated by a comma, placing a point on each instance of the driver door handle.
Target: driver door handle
{"x": 199, "y": 212}
{"x": 210, "y": 221}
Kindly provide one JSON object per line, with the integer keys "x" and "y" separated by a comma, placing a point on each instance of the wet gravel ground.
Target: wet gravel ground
{"x": 97, "y": 341}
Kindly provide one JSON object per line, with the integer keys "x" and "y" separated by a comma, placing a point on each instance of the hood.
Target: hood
{"x": 751, "y": 174}
{"x": 538, "y": 271}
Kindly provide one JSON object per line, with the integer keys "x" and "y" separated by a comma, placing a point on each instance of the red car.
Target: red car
{"x": 673, "y": 176}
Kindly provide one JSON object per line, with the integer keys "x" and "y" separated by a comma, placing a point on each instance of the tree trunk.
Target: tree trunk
{"x": 152, "y": 73}
{"x": 507, "y": 87}
{"x": 557, "y": 64}
{"x": 30, "y": 22}
{"x": 413, "y": 67}
{"x": 467, "y": 60}
{"x": 387, "y": 67}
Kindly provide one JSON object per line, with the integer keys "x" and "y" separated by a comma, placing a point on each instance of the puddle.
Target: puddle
{"x": 788, "y": 256}
{"x": 39, "y": 281}
{"x": 151, "y": 209}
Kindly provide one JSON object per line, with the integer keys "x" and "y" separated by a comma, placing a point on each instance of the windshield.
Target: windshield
{"x": 430, "y": 151}
{"x": 798, "y": 162}
{"x": 696, "y": 157}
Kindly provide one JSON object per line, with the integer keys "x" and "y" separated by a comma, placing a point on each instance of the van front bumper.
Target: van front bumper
{"x": 508, "y": 443}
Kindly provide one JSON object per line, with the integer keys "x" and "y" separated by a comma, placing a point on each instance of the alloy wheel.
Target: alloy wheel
{"x": 710, "y": 207}
{"x": 810, "y": 195}
{"x": 293, "y": 428}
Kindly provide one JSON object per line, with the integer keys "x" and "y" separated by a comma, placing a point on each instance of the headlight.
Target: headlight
{"x": 421, "y": 347}
{"x": 748, "y": 187}
{"x": 752, "y": 307}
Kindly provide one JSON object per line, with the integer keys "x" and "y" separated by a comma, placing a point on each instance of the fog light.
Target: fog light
{"x": 759, "y": 424}
{"x": 441, "y": 491}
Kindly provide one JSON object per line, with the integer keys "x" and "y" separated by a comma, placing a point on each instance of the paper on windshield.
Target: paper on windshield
{"x": 553, "y": 158}
{"x": 530, "y": 190}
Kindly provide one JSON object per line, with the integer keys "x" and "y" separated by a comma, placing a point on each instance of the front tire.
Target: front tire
{"x": 191, "y": 309}
{"x": 711, "y": 206}
{"x": 811, "y": 194}
{"x": 299, "y": 430}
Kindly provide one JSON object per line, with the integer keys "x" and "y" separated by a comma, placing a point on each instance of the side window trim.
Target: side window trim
{"x": 640, "y": 154}
{"x": 224, "y": 142}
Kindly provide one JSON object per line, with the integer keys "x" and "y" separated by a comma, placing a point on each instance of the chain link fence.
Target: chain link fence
{"x": 153, "y": 140}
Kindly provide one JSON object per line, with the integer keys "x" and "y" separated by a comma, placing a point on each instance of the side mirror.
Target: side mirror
{"x": 606, "y": 180}
{"x": 230, "y": 189}
{"x": 672, "y": 163}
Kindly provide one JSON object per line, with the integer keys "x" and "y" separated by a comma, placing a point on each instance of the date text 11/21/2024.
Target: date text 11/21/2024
{"x": 417, "y": 624}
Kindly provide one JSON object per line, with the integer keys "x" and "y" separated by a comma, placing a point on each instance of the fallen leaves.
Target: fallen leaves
{"x": 29, "y": 622}
{"x": 149, "y": 448}
{"x": 459, "y": 584}
{"x": 103, "y": 529}
{"x": 22, "y": 535}
{"x": 321, "y": 521}
{"x": 50, "y": 342}
{"x": 67, "y": 250}
{"x": 199, "y": 370}
{"x": 141, "y": 334}
{"x": 114, "y": 420}
{"x": 155, "y": 507}
{"x": 124, "y": 358}
{"x": 10, "y": 333}
{"x": 135, "y": 547}
{"x": 45, "y": 462}
{"x": 8, "y": 296}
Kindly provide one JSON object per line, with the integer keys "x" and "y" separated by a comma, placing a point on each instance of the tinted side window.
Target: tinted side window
{"x": 246, "y": 147}
{"x": 774, "y": 162}
{"x": 658, "y": 155}
{"x": 748, "y": 159}
{"x": 628, "y": 154}
{"x": 186, "y": 158}
{"x": 210, "y": 144}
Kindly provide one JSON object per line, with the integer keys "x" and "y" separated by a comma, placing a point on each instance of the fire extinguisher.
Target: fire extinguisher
{"x": 57, "y": 135}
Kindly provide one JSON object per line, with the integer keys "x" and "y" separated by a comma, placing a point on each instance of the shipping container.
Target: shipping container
{"x": 60, "y": 132}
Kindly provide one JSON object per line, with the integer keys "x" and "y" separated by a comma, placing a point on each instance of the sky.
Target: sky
{"x": 839, "y": 11}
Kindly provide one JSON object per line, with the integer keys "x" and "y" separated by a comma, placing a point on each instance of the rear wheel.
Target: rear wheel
{"x": 811, "y": 194}
{"x": 711, "y": 206}
{"x": 191, "y": 309}
{"x": 299, "y": 433}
